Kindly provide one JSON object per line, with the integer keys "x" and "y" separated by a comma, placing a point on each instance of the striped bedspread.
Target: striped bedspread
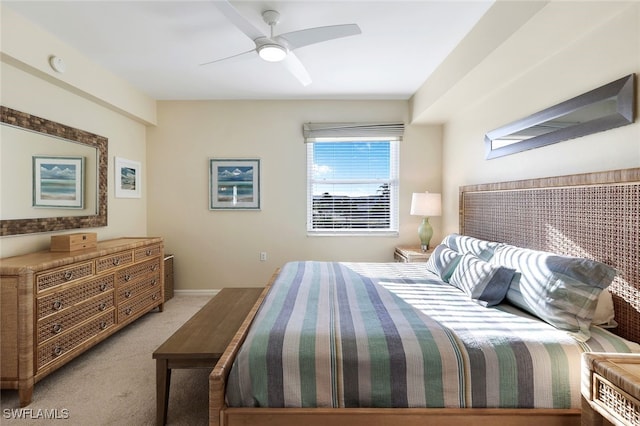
{"x": 393, "y": 335}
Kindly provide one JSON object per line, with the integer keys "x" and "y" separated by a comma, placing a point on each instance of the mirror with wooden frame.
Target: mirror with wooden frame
{"x": 26, "y": 138}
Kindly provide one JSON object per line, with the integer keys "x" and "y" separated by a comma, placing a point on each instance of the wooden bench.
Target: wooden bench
{"x": 200, "y": 342}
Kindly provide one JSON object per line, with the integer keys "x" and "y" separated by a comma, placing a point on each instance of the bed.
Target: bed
{"x": 459, "y": 340}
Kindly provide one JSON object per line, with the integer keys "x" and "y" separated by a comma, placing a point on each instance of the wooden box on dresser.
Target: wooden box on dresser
{"x": 56, "y": 305}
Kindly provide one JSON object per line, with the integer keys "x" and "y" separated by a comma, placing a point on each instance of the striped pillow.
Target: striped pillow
{"x": 484, "y": 283}
{"x": 561, "y": 290}
{"x": 443, "y": 261}
{"x": 465, "y": 244}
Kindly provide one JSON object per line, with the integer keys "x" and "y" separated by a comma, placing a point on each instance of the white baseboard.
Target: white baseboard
{"x": 210, "y": 292}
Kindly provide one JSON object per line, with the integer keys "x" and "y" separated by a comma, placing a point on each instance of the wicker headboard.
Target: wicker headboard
{"x": 593, "y": 215}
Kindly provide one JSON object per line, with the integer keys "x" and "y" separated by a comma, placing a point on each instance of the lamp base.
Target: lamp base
{"x": 425, "y": 232}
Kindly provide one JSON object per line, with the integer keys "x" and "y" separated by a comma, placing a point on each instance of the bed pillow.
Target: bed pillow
{"x": 561, "y": 290}
{"x": 443, "y": 261}
{"x": 465, "y": 244}
{"x": 605, "y": 313}
{"x": 484, "y": 283}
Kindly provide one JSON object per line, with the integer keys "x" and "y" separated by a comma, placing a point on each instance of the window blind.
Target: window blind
{"x": 314, "y": 132}
{"x": 352, "y": 186}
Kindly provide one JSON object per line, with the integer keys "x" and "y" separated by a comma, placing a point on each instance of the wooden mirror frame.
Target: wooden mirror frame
{"x": 59, "y": 223}
{"x": 621, "y": 90}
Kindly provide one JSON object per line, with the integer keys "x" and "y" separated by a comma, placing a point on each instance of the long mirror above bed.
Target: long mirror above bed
{"x": 34, "y": 199}
{"x": 604, "y": 108}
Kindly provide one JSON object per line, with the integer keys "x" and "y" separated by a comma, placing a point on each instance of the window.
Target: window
{"x": 352, "y": 185}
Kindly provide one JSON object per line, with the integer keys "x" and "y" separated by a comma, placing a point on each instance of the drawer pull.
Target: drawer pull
{"x": 154, "y": 281}
{"x": 102, "y": 306}
{"x": 68, "y": 275}
{"x": 154, "y": 297}
{"x": 116, "y": 262}
{"x": 103, "y": 325}
{"x": 127, "y": 311}
{"x": 57, "y": 328}
{"x": 102, "y": 287}
{"x": 57, "y": 351}
{"x": 149, "y": 252}
{"x": 57, "y": 305}
{"x": 154, "y": 267}
{"x": 127, "y": 294}
{"x": 127, "y": 277}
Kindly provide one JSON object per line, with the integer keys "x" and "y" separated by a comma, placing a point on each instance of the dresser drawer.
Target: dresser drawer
{"x": 113, "y": 261}
{"x": 138, "y": 271}
{"x": 64, "y": 275}
{"x": 620, "y": 405}
{"x": 63, "y": 299}
{"x": 136, "y": 307}
{"x": 57, "y": 324}
{"x": 57, "y": 348}
{"x": 147, "y": 252}
{"x": 138, "y": 287}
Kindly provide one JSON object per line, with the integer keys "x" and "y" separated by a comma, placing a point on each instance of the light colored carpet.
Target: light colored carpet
{"x": 114, "y": 383}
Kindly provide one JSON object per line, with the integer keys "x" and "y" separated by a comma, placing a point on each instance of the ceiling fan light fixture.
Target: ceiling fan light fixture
{"x": 272, "y": 52}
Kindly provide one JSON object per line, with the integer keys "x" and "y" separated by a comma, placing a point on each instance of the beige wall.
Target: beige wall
{"x": 554, "y": 51}
{"x": 544, "y": 62}
{"x": 28, "y": 84}
{"x": 215, "y": 249}
{"x": 29, "y": 47}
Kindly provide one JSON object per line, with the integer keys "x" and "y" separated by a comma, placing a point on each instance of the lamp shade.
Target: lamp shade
{"x": 426, "y": 204}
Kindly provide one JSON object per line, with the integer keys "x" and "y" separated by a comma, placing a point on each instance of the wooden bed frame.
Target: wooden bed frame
{"x": 595, "y": 215}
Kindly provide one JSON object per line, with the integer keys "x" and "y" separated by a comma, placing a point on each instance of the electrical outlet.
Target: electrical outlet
{"x": 263, "y": 256}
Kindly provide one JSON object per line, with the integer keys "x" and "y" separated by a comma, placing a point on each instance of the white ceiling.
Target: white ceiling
{"x": 158, "y": 45}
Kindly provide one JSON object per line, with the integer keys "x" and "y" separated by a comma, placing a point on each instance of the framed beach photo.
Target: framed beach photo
{"x": 234, "y": 184}
{"x": 58, "y": 182}
{"x": 128, "y": 178}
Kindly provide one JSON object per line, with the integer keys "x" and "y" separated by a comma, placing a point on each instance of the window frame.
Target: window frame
{"x": 393, "y": 181}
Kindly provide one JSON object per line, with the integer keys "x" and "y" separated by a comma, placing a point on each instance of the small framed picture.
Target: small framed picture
{"x": 234, "y": 184}
{"x": 128, "y": 178}
{"x": 58, "y": 182}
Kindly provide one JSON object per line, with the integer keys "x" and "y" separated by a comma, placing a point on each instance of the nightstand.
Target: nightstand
{"x": 409, "y": 254}
{"x": 610, "y": 388}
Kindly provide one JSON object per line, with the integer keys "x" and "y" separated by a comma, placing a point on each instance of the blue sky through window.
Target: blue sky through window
{"x": 350, "y": 168}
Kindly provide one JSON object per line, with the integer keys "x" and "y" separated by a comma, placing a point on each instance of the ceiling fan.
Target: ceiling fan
{"x": 276, "y": 48}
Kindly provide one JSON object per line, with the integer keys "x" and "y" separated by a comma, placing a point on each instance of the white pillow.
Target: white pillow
{"x": 443, "y": 262}
{"x": 604, "y": 313}
{"x": 466, "y": 244}
{"x": 561, "y": 290}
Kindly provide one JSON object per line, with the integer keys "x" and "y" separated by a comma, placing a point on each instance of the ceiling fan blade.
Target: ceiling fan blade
{"x": 232, "y": 57}
{"x": 301, "y": 38}
{"x": 295, "y": 67}
{"x": 238, "y": 20}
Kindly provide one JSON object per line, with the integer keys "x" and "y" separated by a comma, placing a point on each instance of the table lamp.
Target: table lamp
{"x": 425, "y": 204}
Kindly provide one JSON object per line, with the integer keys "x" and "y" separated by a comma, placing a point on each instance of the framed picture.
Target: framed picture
{"x": 234, "y": 184}
{"x": 58, "y": 182}
{"x": 128, "y": 178}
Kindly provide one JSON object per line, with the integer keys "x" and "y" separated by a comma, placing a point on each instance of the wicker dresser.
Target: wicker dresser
{"x": 57, "y": 305}
{"x": 610, "y": 389}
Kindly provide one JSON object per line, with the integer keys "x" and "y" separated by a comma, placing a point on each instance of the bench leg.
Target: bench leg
{"x": 163, "y": 380}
